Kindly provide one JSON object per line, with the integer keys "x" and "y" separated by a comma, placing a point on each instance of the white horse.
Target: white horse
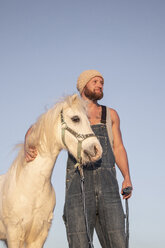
{"x": 27, "y": 197}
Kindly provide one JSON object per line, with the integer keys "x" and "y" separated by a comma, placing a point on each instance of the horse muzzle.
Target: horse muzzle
{"x": 92, "y": 153}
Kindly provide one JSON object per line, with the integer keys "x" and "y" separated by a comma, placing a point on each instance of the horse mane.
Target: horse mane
{"x": 41, "y": 135}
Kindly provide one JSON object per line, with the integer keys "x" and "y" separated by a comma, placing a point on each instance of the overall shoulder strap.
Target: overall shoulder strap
{"x": 106, "y": 119}
{"x": 103, "y": 114}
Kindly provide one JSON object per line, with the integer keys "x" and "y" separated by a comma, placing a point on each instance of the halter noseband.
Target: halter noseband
{"x": 78, "y": 136}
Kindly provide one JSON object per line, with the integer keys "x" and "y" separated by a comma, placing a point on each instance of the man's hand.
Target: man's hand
{"x": 30, "y": 153}
{"x": 126, "y": 183}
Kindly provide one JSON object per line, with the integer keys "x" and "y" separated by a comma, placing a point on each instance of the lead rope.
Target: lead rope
{"x": 127, "y": 191}
{"x": 127, "y": 223}
{"x": 79, "y": 166}
{"x": 82, "y": 179}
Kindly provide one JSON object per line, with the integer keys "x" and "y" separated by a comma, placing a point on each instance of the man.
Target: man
{"x": 103, "y": 204}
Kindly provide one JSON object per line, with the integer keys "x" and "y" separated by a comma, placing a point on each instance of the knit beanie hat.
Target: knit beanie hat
{"x": 85, "y": 77}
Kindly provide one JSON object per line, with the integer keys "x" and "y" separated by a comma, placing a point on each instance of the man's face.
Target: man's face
{"x": 94, "y": 89}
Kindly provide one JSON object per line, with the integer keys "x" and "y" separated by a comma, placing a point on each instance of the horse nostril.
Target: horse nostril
{"x": 86, "y": 152}
{"x": 95, "y": 150}
{"x": 92, "y": 152}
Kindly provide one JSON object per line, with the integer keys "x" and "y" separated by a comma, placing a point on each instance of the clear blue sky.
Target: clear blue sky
{"x": 45, "y": 45}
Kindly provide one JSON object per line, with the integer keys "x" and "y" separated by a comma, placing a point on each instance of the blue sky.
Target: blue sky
{"x": 45, "y": 45}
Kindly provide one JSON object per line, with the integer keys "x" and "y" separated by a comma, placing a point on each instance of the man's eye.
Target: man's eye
{"x": 75, "y": 118}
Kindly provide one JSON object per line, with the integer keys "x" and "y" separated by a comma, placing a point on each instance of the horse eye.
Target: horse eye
{"x": 75, "y": 118}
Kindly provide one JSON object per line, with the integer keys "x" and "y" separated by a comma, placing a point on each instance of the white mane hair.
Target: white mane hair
{"x": 41, "y": 134}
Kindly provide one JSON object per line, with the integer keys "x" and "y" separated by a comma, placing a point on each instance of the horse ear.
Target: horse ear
{"x": 74, "y": 97}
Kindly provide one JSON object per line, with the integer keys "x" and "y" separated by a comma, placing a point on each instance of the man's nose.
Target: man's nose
{"x": 100, "y": 85}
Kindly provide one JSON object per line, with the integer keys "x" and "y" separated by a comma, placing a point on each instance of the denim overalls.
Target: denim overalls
{"x": 103, "y": 203}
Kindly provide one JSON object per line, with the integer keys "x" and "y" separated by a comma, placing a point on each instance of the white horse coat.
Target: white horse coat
{"x": 27, "y": 197}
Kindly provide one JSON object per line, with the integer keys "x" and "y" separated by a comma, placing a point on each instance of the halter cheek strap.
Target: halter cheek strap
{"x": 80, "y": 138}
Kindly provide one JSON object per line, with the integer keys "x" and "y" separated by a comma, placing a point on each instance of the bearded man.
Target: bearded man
{"x": 103, "y": 203}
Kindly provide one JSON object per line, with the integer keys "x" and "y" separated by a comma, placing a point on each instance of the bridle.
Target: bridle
{"x": 80, "y": 138}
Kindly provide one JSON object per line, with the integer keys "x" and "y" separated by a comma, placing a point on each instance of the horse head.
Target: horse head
{"x": 75, "y": 131}
{"x": 66, "y": 126}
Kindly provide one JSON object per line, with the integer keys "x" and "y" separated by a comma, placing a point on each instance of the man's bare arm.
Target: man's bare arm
{"x": 120, "y": 152}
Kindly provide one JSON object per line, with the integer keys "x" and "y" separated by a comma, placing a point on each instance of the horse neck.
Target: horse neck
{"x": 44, "y": 135}
{"x": 42, "y": 165}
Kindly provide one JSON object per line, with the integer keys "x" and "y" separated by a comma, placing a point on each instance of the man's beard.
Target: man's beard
{"x": 94, "y": 96}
